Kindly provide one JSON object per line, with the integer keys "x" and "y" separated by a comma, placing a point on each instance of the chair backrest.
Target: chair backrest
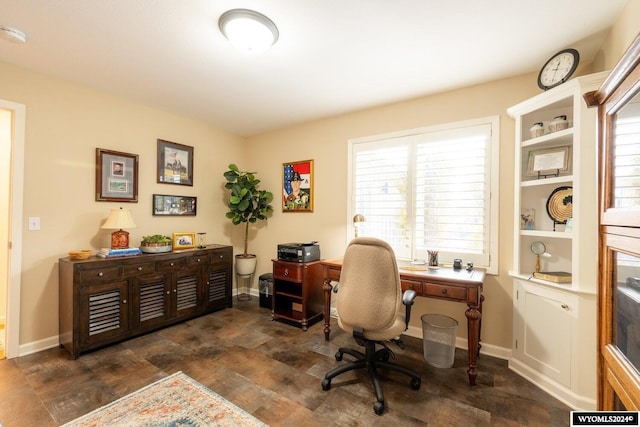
{"x": 370, "y": 294}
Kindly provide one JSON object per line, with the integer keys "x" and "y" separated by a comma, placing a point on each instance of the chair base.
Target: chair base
{"x": 371, "y": 360}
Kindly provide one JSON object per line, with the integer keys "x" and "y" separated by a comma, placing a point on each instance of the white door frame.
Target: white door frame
{"x": 16, "y": 196}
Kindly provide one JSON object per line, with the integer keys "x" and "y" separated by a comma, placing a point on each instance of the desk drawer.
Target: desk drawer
{"x": 287, "y": 272}
{"x": 411, "y": 284}
{"x": 332, "y": 274}
{"x": 449, "y": 292}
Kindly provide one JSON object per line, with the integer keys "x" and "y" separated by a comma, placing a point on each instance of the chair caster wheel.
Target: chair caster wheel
{"x": 415, "y": 383}
{"x": 326, "y": 384}
{"x": 339, "y": 356}
{"x": 378, "y": 408}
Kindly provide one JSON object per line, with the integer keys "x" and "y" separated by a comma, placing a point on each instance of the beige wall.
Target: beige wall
{"x": 625, "y": 30}
{"x": 325, "y": 141}
{"x": 66, "y": 122}
{"x": 64, "y": 125}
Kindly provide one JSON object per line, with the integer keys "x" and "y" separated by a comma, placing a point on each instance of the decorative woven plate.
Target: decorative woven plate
{"x": 560, "y": 204}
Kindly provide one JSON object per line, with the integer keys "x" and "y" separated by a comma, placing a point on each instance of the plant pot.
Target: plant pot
{"x": 246, "y": 265}
{"x": 155, "y": 248}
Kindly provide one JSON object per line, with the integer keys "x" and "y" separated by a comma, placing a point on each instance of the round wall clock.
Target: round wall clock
{"x": 558, "y": 68}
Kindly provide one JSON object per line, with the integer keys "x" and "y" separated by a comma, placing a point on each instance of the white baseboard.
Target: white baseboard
{"x": 36, "y": 346}
{"x": 560, "y": 392}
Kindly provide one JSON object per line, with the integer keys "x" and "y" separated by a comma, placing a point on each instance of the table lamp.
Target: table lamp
{"x": 357, "y": 219}
{"x": 117, "y": 220}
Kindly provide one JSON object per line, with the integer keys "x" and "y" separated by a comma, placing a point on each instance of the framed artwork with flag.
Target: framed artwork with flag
{"x": 175, "y": 163}
{"x": 297, "y": 186}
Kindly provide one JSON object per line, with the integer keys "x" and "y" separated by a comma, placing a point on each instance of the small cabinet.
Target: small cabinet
{"x": 103, "y": 301}
{"x": 297, "y": 292}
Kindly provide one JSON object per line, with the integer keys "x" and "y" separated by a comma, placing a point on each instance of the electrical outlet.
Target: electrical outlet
{"x": 34, "y": 223}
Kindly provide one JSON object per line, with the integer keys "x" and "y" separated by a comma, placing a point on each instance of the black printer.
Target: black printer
{"x": 299, "y": 252}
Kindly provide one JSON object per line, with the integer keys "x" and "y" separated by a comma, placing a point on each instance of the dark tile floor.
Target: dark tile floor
{"x": 274, "y": 371}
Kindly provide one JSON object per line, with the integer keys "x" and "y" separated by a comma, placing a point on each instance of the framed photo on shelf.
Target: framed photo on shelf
{"x": 165, "y": 205}
{"x": 116, "y": 176}
{"x": 528, "y": 219}
{"x": 549, "y": 161}
{"x": 175, "y": 163}
{"x": 184, "y": 240}
{"x": 297, "y": 186}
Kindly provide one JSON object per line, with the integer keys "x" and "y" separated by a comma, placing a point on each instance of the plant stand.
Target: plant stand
{"x": 248, "y": 278}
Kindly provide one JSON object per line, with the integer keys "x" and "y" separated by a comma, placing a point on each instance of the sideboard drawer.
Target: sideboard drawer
{"x": 138, "y": 269}
{"x": 450, "y": 292}
{"x": 170, "y": 265}
{"x": 98, "y": 275}
{"x": 198, "y": 260}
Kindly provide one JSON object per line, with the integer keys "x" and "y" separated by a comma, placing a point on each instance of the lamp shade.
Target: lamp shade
{"x": 119, "y": 219}
{"x": 358, "y": 218}
{"x": 248, "y": 30}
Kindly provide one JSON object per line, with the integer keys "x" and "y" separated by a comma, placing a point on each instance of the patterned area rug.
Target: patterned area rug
{"x": 176, "y": 400}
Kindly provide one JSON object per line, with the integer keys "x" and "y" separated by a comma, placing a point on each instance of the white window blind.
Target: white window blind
{"x": 626, "y": 158}
{"x": 429, "y": 188}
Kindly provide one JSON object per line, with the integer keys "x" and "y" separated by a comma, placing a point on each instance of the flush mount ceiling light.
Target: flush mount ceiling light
{"x": 12, "y": 34}
{"x": 248, "y": 30}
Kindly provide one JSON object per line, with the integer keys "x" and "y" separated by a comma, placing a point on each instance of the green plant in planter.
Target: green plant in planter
{"x": 156, "y": 238}
{"x": 247, "y": 203}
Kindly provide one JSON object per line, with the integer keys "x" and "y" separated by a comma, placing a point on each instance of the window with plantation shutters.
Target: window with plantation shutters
{"x": 430, "y": 189}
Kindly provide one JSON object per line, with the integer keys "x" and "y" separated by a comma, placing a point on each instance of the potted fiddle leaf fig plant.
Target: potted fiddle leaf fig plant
{"x": 247, "y": 205}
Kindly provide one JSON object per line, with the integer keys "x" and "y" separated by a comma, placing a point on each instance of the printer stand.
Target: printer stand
{"x": 297, "y": 292}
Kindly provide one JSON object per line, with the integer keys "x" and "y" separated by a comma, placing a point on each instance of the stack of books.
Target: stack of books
{"x": 553, "y": 276}
{"x": 115, "y": 253}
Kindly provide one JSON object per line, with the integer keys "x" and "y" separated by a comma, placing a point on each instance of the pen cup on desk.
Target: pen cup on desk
{"x": 433, "y": 258}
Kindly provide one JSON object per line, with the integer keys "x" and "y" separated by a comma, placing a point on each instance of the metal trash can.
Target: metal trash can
{"x": 439, "y": 339}
{"x": 265, "y": 287}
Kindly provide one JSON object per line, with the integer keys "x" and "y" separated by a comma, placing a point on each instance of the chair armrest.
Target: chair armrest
{"x": 408, "y": 297}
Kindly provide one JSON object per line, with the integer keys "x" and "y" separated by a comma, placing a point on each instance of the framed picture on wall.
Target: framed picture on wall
{"x": 116, "y": 176}
{"x": 165, "y": 205}
{"x": 175, "y": 163}
{"x": 297, "y": 186}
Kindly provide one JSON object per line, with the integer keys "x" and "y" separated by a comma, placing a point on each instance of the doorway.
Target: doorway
{"x": 12, "y": 129}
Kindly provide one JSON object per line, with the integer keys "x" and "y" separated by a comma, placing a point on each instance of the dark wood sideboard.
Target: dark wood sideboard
{"x": 104, "y": 301}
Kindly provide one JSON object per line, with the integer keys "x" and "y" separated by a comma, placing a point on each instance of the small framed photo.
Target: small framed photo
{"x": 166, "y": 205}
{"x": 297, "y": 186}
{"x": 549, "y": 162}
{"x": 175, "y": 163}
{"x": 116, "y": 176}
{"x": 184, "y": 240}
{"x": 528, "y": 219}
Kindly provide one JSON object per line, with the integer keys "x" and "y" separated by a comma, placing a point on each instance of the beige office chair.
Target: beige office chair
{"x": 370, "y": 306}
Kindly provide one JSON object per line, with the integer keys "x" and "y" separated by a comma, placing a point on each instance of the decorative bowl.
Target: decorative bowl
{"x": 81, "y": 254}
{"x": 156, "y": 248}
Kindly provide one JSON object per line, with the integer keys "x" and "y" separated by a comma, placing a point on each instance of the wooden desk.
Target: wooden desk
{"x": 445, "y": 283}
